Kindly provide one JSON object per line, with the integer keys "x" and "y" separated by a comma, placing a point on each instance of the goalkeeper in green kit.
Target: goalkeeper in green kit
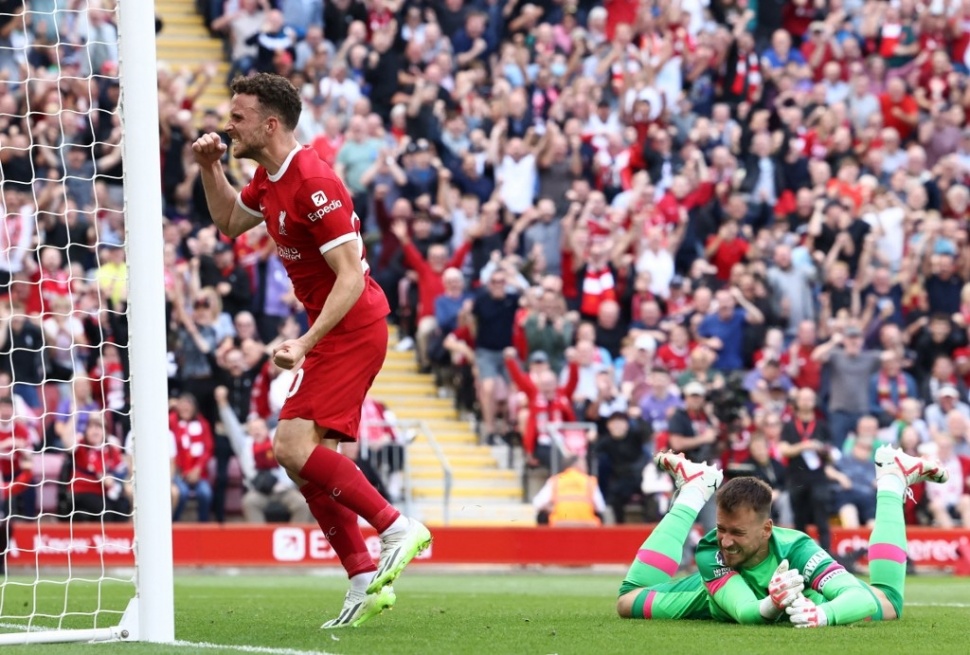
{"x": 754, "y": 573}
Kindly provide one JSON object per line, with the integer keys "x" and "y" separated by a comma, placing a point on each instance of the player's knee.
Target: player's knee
{"x": 624, "y": 605}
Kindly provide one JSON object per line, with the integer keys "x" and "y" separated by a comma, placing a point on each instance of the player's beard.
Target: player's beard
{"x": 246, "y": 147}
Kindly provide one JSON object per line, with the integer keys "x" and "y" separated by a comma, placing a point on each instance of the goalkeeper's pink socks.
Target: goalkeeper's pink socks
{"x": 339, "y": 526}
{"x": 339, "y": 477}
{"x": 659, "y": 557}
{"x": 887, "y": 543}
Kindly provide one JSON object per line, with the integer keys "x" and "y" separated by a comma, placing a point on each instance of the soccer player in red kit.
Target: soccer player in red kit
{"x": 309, "y": 214}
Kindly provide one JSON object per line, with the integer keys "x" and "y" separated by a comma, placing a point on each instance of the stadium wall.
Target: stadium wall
{"x": 214, "y": 545}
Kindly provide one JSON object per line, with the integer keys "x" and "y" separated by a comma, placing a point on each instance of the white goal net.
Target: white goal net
{"x": 73, "y": 205}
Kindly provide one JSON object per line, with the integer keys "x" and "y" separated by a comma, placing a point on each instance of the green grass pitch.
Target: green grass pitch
{"x": 490, "y": 613}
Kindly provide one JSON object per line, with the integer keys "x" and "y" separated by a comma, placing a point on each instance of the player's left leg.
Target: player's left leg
{"x": 339, "y": 526}
{"x": 659, "y": 557}
{"x": 895, "y": 471}
{"x": 336, "y": 376}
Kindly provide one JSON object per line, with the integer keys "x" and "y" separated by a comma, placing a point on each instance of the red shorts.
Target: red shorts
{"x": 329, "y": 389}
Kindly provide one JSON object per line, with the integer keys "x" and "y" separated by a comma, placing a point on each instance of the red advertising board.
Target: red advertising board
{"x": 53, "y": 544}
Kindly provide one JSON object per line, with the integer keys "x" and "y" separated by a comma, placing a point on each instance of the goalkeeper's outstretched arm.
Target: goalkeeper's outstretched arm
{"x": 847, "y": 599}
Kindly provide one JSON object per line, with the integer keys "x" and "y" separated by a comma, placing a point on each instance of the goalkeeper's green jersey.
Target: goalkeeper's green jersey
{"x": 722, "y": 582}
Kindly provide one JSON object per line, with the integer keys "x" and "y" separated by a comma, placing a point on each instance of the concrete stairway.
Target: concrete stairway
{"x": 483, "y": 493}
{"x": 184, "y": 42}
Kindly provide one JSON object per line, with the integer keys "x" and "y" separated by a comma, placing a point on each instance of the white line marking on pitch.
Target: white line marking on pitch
{"x": 936, "y": 604}
{"x": 248, "y": 649}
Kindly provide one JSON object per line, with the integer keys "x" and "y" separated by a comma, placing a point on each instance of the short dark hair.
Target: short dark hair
{"x": 745, "y": 492}
{"x": 276, "y": 95}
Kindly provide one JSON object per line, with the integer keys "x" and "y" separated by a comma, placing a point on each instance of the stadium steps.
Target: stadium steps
{"x": 483, "y": 493}
{"x": 185, "y": 42}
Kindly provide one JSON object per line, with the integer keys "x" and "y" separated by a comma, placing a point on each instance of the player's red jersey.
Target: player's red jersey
{"x": 308, "y": 212}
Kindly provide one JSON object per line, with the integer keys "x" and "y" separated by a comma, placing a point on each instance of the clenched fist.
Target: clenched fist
{"x": 208, "y": 149}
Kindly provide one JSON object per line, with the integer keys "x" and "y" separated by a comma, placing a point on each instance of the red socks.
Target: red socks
{"x": 340, "y": 527}
{"x": 339, "y": 477}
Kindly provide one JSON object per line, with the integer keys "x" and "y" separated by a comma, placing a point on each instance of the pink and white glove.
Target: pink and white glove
{"x": 804, "y": 613}
{"x": 786, "y": 585}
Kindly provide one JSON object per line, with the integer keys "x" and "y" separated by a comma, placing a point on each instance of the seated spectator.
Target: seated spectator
{"x": 889, "y": 387}
{"x": 949, "y": 503}
{"x": 460, "y": 344}
{"x": 947, "y": 400}
{"x": 910, "y": 417}
{"x": 621, "y": 447}
{"x": 194, "y": 449}
{"x": 16, "y": 464}
{"x": 571, "y": 498}
{"x": 765, "y": 379}
{"x": 98, "y": 474}
{"x": 943, "y": 374}
{"x": 660, "y": 401}
{"x": 271, "y": 496}
{"x": 636, "y": 369}
{"x": 868, "y": 429}
{"x": 699, "y": 369}
{"x": 855, "y": 496}
{"x": 673, "y": 355}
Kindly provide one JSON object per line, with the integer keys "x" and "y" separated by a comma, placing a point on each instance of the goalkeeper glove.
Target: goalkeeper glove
{"x": 786, "y": 585}
{"x": 804, "y": 613}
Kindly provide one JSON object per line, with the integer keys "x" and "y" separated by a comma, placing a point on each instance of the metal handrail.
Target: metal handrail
{"x": 446, "y": 470}
{"x": 422, "y": 429}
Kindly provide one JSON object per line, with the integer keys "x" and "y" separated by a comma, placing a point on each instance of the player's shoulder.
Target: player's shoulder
{"x": 308, "y": 163}
{"x": 801, "y": 551}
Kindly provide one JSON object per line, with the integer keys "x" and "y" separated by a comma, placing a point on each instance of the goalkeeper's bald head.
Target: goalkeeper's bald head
{"x": 745, "y": 492}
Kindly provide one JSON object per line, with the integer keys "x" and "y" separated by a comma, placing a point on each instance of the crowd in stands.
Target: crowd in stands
{"x": 738, "y": 230}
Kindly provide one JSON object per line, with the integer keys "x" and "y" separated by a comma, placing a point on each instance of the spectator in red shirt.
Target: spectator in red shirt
{"x": 899, "y": 109}
{"x": 797, "y": 360}
{"x": 725, "y": 249}
{"x": 98, "y": 476}
{"x": 547, "y": 404}
{"x": 431, "y": 283}
{"x": 16, "y": 461}
{"x": 193, "y": 450}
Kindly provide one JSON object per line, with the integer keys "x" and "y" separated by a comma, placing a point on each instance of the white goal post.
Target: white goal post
{"x": 149, "y": 614}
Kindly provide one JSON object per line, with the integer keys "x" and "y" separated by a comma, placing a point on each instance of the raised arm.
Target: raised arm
{"x": 228, "y": 213}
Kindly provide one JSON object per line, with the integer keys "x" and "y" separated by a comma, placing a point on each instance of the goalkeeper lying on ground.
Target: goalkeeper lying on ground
{"x": 753, "y": 572}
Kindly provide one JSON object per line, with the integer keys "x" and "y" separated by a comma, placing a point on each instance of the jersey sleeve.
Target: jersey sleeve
{"x": 248, "y": 198}
{"x": 725, "y": 586}
{"x": 816, "y": 565}
{"x": 325, "y": 207}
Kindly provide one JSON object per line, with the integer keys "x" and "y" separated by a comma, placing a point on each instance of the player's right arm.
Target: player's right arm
{"x": 727, "y": 589}
{"x": 228, "y": 213}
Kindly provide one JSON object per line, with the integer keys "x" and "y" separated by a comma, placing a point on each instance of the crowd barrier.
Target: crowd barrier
{"x": 242, "y": 545}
